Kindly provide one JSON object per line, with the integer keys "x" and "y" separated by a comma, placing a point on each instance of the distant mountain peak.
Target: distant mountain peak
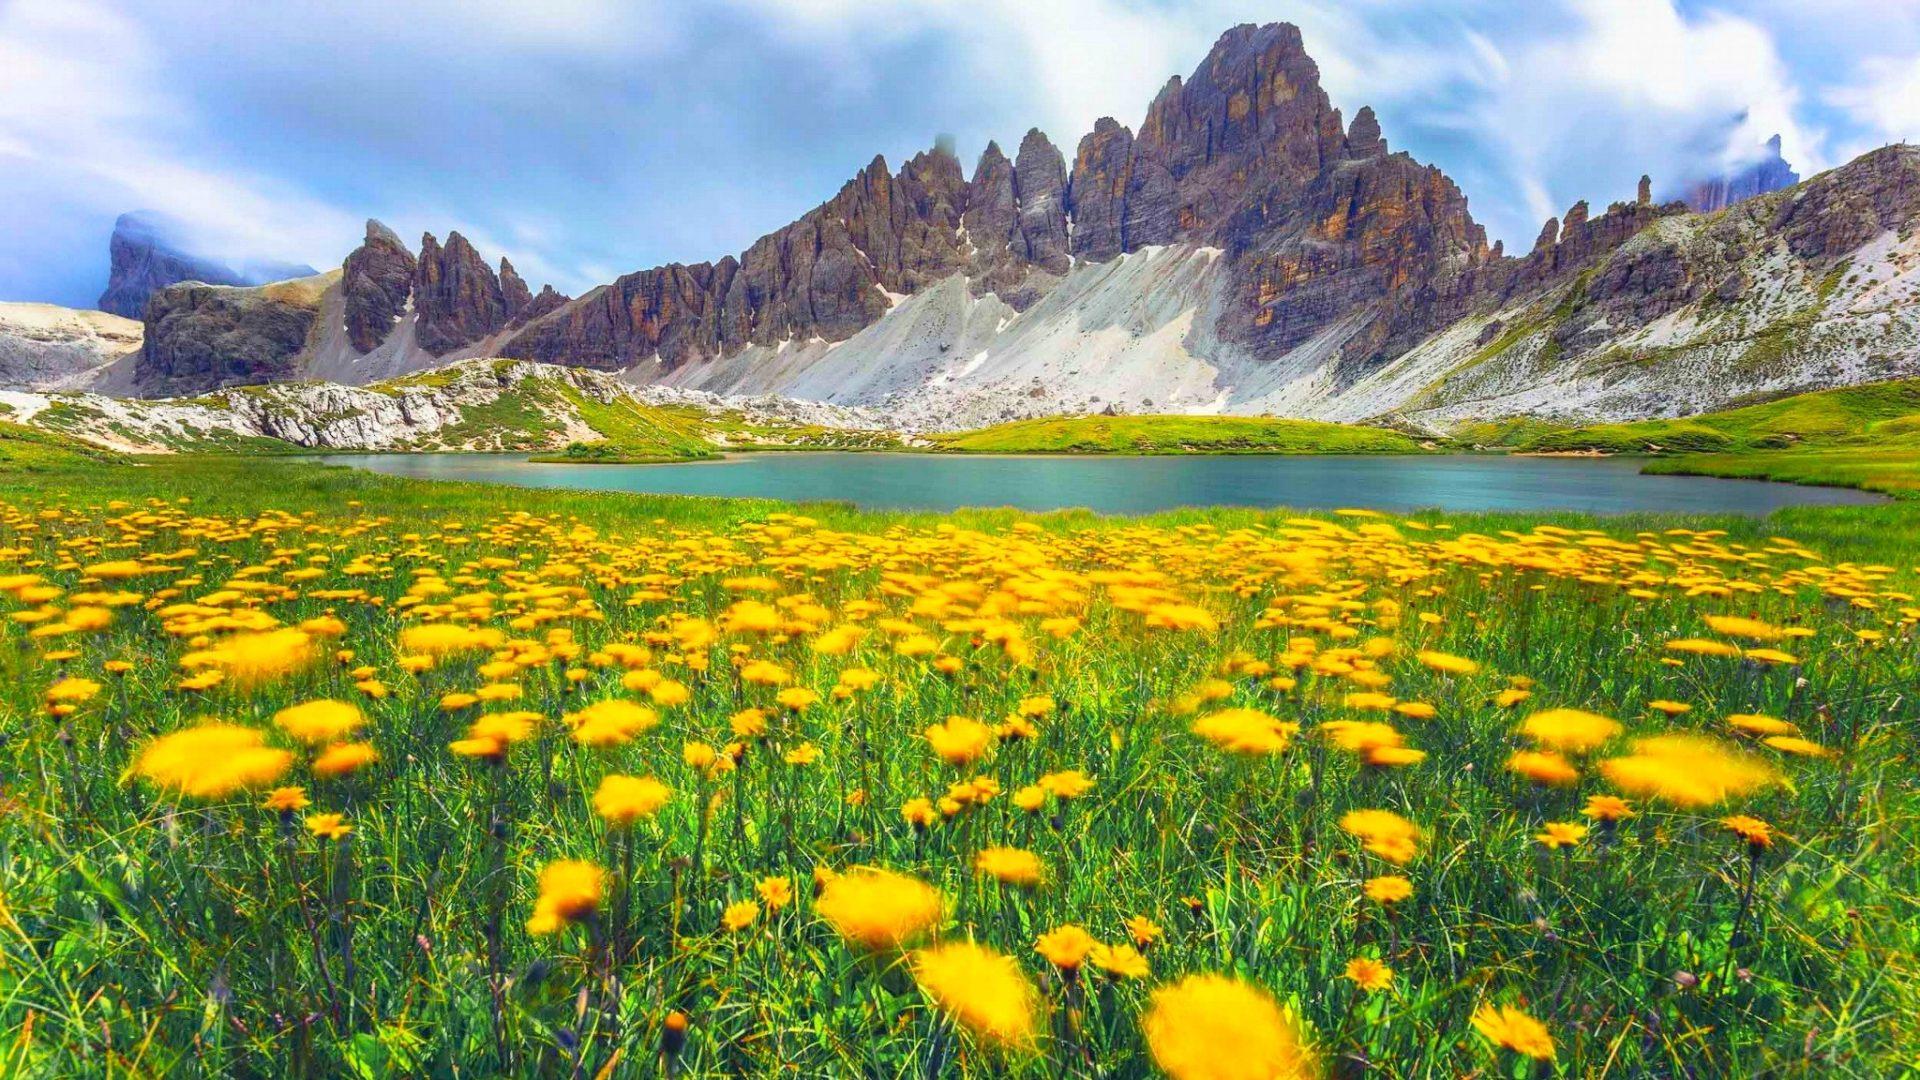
{"x": 1770, "y": 172}
{"x": 147, "y": 253}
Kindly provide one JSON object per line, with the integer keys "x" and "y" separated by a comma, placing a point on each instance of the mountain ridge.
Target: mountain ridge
{"x": 1246, "y": 250}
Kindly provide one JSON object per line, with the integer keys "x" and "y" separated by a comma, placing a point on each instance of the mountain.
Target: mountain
{"x": 146, "y": 256}
{"x": 1245, "y": 250}
{"x": 45, "y": 347}
{"x": 384, "y": 313}
{"x": 1770, "y": 173}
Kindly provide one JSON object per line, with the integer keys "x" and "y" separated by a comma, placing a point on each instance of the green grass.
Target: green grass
{"x": 1176, "y": 435}
{"x": 31, "y": 449}
{"x": 1849, "y": 414}
{"x": 141, "y": 935}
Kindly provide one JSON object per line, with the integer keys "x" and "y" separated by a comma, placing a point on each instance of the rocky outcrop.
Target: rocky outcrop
{"x": 435, "y": 413}
{"x": 1769, "y": 173}
{"x": 376, "y": 283}
{"x": 202, "y": 337}
{"x": 46, "y": 347}
{"x": 457, "y": 299}
{"x": 514, "y": 291}
{"x": 545, "y": 301}
{"x": 146, "y": 255}
{"x": 1040, "y": 189}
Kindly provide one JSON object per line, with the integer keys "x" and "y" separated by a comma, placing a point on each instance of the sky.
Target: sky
{"x": 589, "y": 138}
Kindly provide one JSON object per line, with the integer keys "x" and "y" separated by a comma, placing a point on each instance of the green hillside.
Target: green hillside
{"x": 22, "y": 447}
{"x": 1877, "y": 412}
{"x": 1175, "y": 435}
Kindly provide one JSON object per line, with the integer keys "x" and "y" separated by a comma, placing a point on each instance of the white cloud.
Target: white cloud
{"x": 82, "y": 95}
{"x": 1884, "y": 100}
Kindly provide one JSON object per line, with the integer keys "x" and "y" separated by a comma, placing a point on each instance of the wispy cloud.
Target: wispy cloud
{"x": 588, "y": 137}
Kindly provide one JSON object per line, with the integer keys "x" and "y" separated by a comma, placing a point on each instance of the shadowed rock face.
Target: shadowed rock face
{"x": 376, "y": 281}
{"x": 203, "y": 337}
{"x": 457, "y": 299}
{"x": 143, "y": 258}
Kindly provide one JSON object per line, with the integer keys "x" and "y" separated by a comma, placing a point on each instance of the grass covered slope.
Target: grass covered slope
{"x": 513, "y": 776}
{"x": 1875, "y": 412}
{"x": 1176, "y": 435}
{"x": 25, "y": 448}
{"x": 1860, "y": 436}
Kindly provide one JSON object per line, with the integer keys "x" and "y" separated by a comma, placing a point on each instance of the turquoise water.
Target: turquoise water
{"x": 1134, "y": 485}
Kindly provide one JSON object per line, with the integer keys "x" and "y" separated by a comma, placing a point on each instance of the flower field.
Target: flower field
{"x": 326, "y": 775}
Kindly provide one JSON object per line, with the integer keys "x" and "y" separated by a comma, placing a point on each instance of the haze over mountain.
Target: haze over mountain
{"x": 148, "y": 252}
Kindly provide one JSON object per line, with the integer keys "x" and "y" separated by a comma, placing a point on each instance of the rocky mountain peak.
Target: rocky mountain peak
{"x": 1768, "y": 172}
{"x": 376, "y": 281}
{"x": 1363, "y": 137}
{"x": 514, "y": 290}
{"x": 147, "y": 253}
{"x": 457, "y": 298}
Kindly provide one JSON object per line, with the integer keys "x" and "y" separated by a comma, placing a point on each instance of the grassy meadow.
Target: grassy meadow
{"x": 1175, "y": 435}
{"x": 310, "y": 772}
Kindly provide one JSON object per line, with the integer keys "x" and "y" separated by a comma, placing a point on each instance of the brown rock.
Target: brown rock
{"x": 375, "y": 282}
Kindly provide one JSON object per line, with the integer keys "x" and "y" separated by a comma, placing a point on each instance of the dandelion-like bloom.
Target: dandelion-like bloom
{"x": 765, "y": 673}
{"x": 919, "y": 813}
{"x": 251, "y": 660}
{"x": 739, "y": 915}
{"x": 1384, "y": 833}
{"x": 317, "y": 723}
{"x": 570, "y": 891}
{"x": 212, "y": 761}
{"x": 878, "y": 910}
{"x": 1447, "y": 663}
{"x": 1143, "y": 931}
{"x": 1210, "y": 1027}
{"x": 287, "y": 800}
{"x": 1065, "y": 947}
{"x": 1570, "y": 731}
{"x": 1010, "y": 866}
{"x": 1758, "y": 834}
{"x": 328, "y": 826}
{"x": 1245, "y": 731}
{"x": 776, "y": 892}
{"x": 1608, "y": 808}
{"x": 1387, "y": 889}
{"x": 344, "y": 758}
{"x": 797, "y": 698}
{"x": 71, "y": 691}
{"x": 1067, "y": 784}
{"x": 982, "y": 990}
{"x": 1751, "y": 629}
{"x": 490, "y": 735}
{"x": 1702, "y": 647}
{"x": 1690, "y": 771}
{"x": 1119, "y": 961}
{"x": 960, "y": 741}
{"x": 1759, "y": 724}
{"x": 623, "y": 800}
{"x": 1790, "y": 744}
{"x": 1369, "y": 974}
{"x": 438, "y": 640}
{"x": 1543, "y": 767}
{"x": 613, "y": 722}
{"x": 1509, "y": 1027}
{"x": 1558, "y": 834}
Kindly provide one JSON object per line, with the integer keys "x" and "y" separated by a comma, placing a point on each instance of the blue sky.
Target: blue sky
{"x": 587, "y": 138}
